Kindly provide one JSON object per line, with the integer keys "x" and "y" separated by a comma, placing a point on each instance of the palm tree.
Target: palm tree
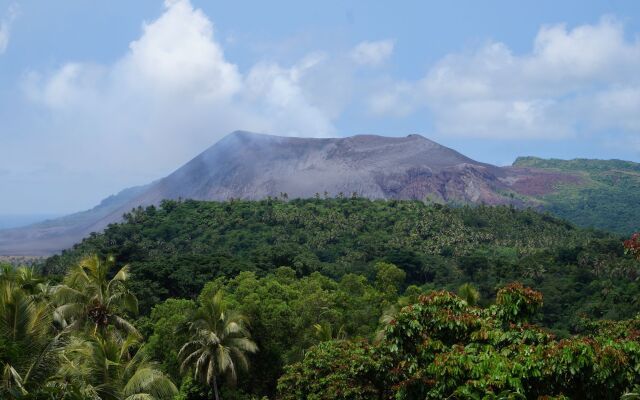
{"x": 537, "y": 271}
{"x": 87, "y": 298}
{"x": 388, "y": 316}
{"x": 29, "y": 344}
{"x": 324, "y": 332}
{"x": 469, "y": 293}
{"x": 106, "y": 368}
{"x": 218, "y": 344}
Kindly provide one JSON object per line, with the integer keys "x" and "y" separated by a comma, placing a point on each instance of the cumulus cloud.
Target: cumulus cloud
{"x": 177, "y": 54}
{"x": 172, "y": 94}
{"x": 4, "y": 37}
{"x": 5, "y": 27}
{"x": 580, "y": 79}
{"x": 281, "y": 92}
{"x": 396, "y": 99}
{"x": 372, "y": 53}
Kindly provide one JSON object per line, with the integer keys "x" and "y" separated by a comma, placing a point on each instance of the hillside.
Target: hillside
{"x": 51, "y": 236}
{"x": 607, "y": 197}
{"x": 249, "y": 166}
{"x": 175, "y": 249}
{"x": 253, "y": 166}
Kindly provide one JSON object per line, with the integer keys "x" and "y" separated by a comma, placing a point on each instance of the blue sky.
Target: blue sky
{"x": 98, "y": 96}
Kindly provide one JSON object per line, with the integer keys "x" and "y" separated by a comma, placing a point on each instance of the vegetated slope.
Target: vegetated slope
{"x": 50, "y": 236}
{"x": 608, "y": 196}
{"x": 174, "y": 249}
{"x": 254, "y": 166}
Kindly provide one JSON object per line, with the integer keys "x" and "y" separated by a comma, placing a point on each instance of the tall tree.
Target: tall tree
{"x": 469, "y": 293}
{"x": 89, "y": 299}
{"x": 219, "y": 343}
{"x": 389, "y": 278}
{"x": 107, "y": 368}
{"x": 29, "y": 344}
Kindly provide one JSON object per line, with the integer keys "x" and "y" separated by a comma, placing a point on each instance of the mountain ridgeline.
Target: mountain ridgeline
{"x": 254, "y": 166}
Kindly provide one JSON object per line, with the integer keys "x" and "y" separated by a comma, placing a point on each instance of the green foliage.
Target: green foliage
{"x": 29, "y": 341}
{"x": 469, "y": 293}
{"x": 389, "y": 278}
{"x": 219, "y": 343}
{"x": 517, "y": 303}
{"x": 441, "y": 348}
{"x": 334, "y": 370}
{"x": 54, "y": 345}
{"x": 284, "y": 311}
{"x": 173, "y": 250}
{"x": 104, "y": 367}
{"x": 164, "y": 340}
{"x": 607, "y": 195}
{"x": 309, "y": 279}
{"x": 89, "y": 300}
{"x": 314, "y": 335}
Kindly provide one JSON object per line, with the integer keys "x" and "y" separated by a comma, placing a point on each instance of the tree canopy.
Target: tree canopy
{"x": 326, "y": 299}
{"x": 175, "y": 249}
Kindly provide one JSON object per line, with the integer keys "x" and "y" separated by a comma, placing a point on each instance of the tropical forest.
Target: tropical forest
{"x": 343, "y": 298}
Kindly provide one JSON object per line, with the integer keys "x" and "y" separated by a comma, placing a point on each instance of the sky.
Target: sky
{"x": 99, "y": 96}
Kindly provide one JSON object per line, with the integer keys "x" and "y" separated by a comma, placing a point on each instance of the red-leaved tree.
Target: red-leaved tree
{"x": 632, "y": 246}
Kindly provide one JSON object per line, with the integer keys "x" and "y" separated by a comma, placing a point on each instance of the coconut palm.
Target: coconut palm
{"x": 469, "y": 293}
{"x": 24, "y": 278}
{"x": 218, "y": 345}
{"x": 324, "y": 332}
{"x": 29, "y": 344}
{"x": 87, "y": 298}
{"x": 7, "y": 273}
{"x": 387, "y": 317}
{"x": 107, "y": 368}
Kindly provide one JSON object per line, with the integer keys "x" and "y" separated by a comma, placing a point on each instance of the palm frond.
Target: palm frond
{"x": 122, "y": 275}
{"x": 67, "y": 294}
{"x": 150, "y": 381}
{"x": 125, "y": 326}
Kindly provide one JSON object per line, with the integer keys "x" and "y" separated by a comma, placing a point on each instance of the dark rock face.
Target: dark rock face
{"x": 254, "y": 166}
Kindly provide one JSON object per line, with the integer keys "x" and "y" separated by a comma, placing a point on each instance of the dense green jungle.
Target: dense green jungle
{"x": 343, "y": 298}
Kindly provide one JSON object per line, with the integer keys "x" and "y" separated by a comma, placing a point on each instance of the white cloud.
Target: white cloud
{"x": 172, "y": 94}
{"x": 372, "y": 53}
{"x": 177, "y": 54}
{"x": 616, "y": 108}
{"x": 284, "y": 99}
{"x": 4, "y": 37}
{"x": 573, "y": 80}
{"x": 396, "y": 99}
{"x": 5, "y": 27}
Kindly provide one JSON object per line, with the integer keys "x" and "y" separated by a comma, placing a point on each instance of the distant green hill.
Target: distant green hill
{"x": 175, "y": 249}
{"x": 608, "y": 197}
